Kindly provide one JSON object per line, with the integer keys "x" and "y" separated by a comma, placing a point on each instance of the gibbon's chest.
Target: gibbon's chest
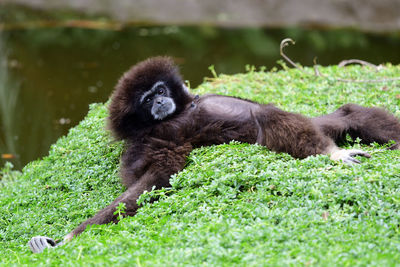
{"x": 226, "y": 107}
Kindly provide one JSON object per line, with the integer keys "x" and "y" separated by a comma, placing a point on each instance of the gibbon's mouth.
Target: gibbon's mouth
{"x": 162, "y": 111}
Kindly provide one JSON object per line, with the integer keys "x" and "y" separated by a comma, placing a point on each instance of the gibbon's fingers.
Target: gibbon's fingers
{"x": 38, "y": 243}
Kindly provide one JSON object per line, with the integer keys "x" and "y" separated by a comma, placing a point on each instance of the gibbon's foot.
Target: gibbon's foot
{"x": 347, "y": 155}
{"x": 38, "y": 243}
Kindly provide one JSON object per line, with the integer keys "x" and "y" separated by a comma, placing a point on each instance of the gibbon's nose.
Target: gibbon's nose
{"x": 160, "y": 101}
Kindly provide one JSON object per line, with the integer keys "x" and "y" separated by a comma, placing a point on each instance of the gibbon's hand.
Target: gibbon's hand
{"x": 38, "y": 243}
{"x": 347, "y": 156}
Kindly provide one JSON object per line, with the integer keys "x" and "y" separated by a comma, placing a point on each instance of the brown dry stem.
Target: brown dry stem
{"x": 285, "y": 42}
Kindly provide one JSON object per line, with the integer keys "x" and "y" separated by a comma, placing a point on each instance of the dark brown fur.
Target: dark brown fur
{"x": 368, "y": 124}
{"x": 154, "y": 150}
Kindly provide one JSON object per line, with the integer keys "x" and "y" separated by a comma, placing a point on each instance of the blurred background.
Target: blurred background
{"x": 57, "y": 57}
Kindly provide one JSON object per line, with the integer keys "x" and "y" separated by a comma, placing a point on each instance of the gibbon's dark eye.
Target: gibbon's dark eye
{"x": 147, "y": 99}
{"x": 160, "y": 91}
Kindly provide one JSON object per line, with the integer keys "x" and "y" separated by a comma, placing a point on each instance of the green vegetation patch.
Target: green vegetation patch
{"x": 233, "y": 204}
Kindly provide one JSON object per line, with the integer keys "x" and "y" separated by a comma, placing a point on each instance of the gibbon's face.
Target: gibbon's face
{"x": 157, "y": 101}
{"x": 147, "y": 94}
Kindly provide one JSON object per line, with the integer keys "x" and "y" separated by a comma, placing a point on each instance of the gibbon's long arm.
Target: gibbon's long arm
{"x": 156, "y": 176}
{"x": 129, "y": 197}
{"x": 146, "y": 183}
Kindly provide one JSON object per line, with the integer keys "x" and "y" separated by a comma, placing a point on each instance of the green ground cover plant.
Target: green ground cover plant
{"x": 233, "y": 204}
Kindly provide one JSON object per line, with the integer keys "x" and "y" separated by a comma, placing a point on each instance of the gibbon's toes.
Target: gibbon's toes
{"x": 347, "y": 156}
{"x": 350, "y": 160}
{"x": 356, "y": 152}
{"x": 38, "y": 243}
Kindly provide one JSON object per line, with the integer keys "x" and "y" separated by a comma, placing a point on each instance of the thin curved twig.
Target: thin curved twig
{"x": 285, "y": 42}
{"x": 346, "y": 62}
{"x": 316, "y": 71}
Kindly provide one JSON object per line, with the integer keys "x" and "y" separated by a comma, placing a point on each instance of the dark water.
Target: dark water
{"x": 48, "y": 77}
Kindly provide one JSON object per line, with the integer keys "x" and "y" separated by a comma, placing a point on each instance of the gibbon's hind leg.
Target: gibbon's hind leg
{"x": 368, "y": 124}
{"x": 332, "y": 125}
{"x": 297, "y": 135}
{"x": 371, "y": 124}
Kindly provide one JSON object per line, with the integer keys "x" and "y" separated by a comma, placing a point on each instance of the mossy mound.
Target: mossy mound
{"x": 233, "y": 204}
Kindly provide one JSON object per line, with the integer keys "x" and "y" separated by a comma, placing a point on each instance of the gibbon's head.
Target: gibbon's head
{"x": 148, "y": 93}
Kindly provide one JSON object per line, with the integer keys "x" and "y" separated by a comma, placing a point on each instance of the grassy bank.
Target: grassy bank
{"x": 233, "y": 204}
